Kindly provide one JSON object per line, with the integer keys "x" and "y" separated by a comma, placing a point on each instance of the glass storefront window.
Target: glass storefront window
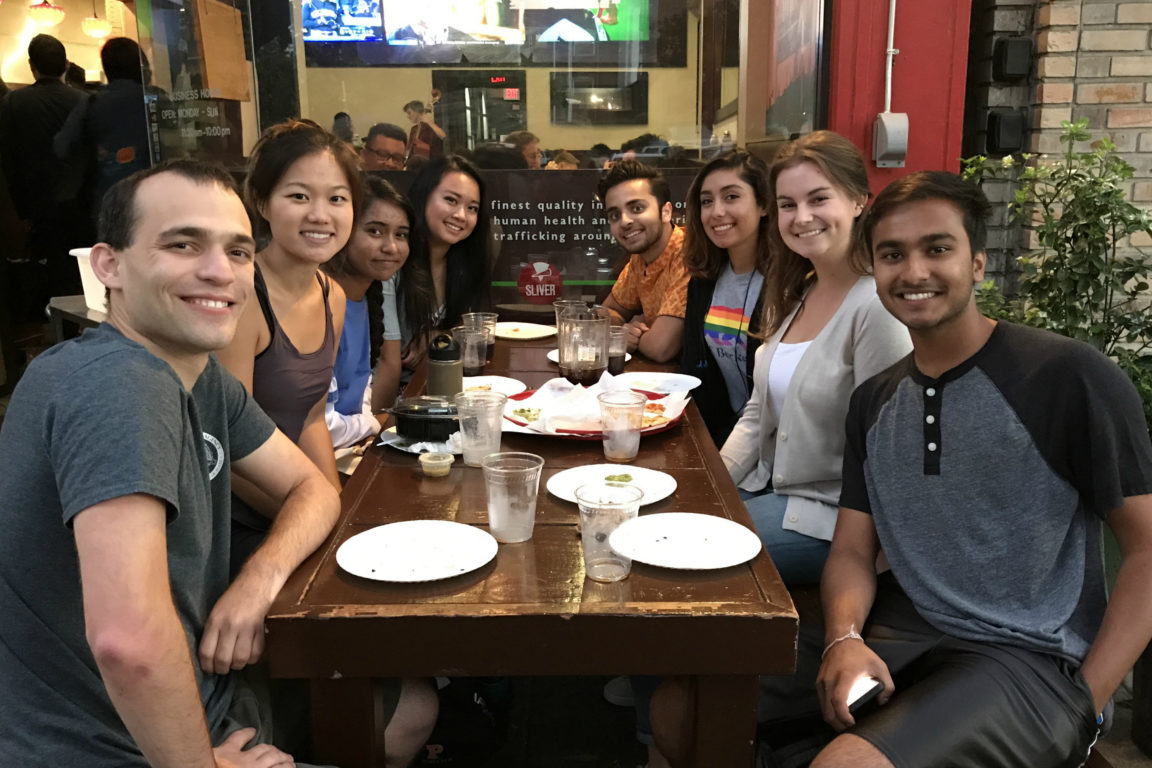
{"x": 592, "y": 81}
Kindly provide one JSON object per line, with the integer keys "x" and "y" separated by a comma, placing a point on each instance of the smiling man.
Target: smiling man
{"x": 984, "y": 465}
{"x": 120, "y": 625}
{"x": 650, "y": 295}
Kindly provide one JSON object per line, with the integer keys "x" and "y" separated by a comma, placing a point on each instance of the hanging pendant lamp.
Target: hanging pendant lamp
{"x": 45, "y": 14}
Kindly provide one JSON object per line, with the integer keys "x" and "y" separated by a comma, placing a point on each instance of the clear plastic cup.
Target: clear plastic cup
{"x": 621, "y": 418}
{"x": 512, "y": 481}
{"x": 473, "y": 349}
{"x": 604, "y": 507}
{"x": 481, "y": 415}
{"x": 487, "y": 321}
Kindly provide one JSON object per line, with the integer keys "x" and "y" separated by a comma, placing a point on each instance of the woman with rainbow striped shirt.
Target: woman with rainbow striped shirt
{"x": 726, "y": 253}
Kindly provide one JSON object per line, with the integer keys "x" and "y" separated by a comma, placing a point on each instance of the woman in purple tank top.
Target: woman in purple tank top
{"x": 304, "y": 189}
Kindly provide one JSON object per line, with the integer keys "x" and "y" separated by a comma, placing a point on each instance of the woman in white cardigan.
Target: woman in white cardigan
{"x": 825, "y": 332}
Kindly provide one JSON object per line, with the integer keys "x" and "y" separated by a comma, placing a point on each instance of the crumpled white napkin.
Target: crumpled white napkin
{"x": 577, "y": 408}
{"x": 452, "y": 445}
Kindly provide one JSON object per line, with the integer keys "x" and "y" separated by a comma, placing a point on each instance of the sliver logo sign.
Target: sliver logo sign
{"x": 540, "y": 282}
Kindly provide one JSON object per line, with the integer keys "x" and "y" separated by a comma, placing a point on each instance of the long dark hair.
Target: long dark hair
{"x": 414, "y": 291}
{"x": 789, "y": 273}
{"x": 701, "y": 256}
{"x": 467, "y": 285}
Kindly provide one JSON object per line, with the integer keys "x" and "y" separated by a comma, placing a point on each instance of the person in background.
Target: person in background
{"x": 649, "y": 295}
{"x": 452, "y": 242}
{"x": 825, "y": 332}
{"x": 425, "y": 137}
{"x": 647, "y": 147}
{"x": 726, "y": 253}
{"x": 985, "y": 464}
{"x": 105, "y": 138}
{"x": 384, "y": 149}
{"x": 498, "y": 157}
{"x": 367, "y": 372}
{"x": 75, "y": 77}
{"x": 342, "y": 127}
{"x": 527, "y": 144}
{"x": 562, "y": 161}
{"x": 597, "y": 158}
{"x": 304, "y": 189}
{"x": 121, "y": 625}
{"x": 29, "y": 120}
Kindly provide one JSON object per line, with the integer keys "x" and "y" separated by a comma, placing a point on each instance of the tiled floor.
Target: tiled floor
{"x": 1117, "y": 746}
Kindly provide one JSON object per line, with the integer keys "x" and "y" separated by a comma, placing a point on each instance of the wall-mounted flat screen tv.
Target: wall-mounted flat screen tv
{"x": 542, "y": 33}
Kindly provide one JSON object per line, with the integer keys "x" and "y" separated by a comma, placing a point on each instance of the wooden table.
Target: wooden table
{"x": 531, "y": 611}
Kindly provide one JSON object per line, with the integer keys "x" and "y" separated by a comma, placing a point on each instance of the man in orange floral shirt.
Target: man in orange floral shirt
{"x": 650, "y": 294}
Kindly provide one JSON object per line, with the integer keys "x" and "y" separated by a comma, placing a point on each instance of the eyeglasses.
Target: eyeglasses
{"x": 396, "y": 158}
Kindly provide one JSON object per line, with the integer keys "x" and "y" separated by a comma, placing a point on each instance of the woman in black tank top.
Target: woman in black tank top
{"x": 304, "y": 188}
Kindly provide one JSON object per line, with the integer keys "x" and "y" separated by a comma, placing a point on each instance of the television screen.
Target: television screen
{"x": 550, "y": 33}
{"x": 341, "y": 20}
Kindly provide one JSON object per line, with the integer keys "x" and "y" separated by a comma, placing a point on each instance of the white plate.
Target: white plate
{"x": 663, "y": 383}
{"x": 685, "y": 540}
{"x": 657, "y": 486}
{"x": 416, "y": 550}
{"x": 524, "y": 331}
{"x": 399, "y": 442}
{"x": 554, "y": 356}
{"x": 501, "y": 384}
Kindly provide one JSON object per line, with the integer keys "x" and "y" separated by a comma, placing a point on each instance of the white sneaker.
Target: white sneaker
{"x": 618, "y": 691}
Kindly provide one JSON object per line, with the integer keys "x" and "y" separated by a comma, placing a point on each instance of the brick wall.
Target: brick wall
{"x": 1093, "y": 59}
{"x": 1109, "y": 74}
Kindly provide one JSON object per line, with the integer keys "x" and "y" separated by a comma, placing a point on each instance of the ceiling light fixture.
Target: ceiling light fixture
{"x": 45, "y": 14}
{"x": 96, "y": 27}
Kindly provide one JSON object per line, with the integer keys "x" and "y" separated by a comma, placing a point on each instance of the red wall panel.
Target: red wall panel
{"x": 927, "y": 78}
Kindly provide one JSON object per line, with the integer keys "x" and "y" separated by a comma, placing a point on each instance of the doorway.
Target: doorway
{"x": 480, "y": 106}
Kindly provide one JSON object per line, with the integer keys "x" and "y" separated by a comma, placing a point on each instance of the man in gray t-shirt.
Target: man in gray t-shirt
{"x": 983, "y": 465}
{"x": 119, "y": 623}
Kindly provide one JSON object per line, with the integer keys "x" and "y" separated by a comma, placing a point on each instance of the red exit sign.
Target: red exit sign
{"x": 497, "y": 79}
{"x": 511, "y": 94}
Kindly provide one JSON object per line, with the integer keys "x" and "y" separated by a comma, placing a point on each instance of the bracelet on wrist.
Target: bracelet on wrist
{"x": 852, "y": 634}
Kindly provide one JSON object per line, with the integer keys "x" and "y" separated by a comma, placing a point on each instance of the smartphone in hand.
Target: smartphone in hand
{"x": 863, "y": 691}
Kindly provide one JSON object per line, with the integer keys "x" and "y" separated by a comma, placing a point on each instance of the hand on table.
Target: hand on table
{"x": 845, "y": 663}
{"x": 234, "y": 633}
{"x": 634, "y": 330}
{"x": 231, "y": 753}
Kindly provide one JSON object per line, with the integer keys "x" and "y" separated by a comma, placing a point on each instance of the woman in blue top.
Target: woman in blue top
{"x": 368, "y": 270}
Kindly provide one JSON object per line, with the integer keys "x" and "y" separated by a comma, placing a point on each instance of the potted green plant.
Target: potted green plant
{"x": 1080, "y": 281}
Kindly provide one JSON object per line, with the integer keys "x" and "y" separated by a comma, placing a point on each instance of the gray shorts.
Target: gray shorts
{"x": 279, "y": 710}
{"x": 963, "y": 703}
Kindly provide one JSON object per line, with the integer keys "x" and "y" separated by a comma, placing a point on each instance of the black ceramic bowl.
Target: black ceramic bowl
{"x": 425, "y": 418}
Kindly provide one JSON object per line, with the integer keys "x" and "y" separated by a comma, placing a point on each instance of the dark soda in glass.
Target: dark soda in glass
{"x": 585, "y": 376}
{"x": 616, "y": 364}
